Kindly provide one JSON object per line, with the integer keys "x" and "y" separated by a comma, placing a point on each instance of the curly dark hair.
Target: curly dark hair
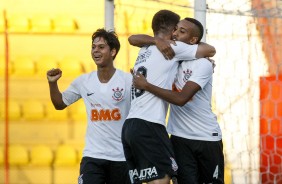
{"x": 164, "y": 21}
{"x": 110, "y": 37}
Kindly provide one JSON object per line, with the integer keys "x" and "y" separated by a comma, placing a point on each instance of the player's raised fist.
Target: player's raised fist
{"x": 54, "y": 74}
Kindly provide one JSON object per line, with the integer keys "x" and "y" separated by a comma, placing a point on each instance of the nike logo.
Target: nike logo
{"x": 89, "y": 94}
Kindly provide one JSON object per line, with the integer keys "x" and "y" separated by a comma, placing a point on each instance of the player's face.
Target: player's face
{"x": 184, "y": 31}
{"x": 101, "y": 53}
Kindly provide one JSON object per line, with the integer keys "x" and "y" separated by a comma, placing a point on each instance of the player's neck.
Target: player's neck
{"x": 163, "y": 36}
{"x": 105, "y": 74}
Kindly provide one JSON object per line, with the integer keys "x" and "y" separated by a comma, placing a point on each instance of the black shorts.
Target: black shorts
{"x": 198, "y": 161}
{"x": 100, "y": 171}
{"x": 148, "y": 151}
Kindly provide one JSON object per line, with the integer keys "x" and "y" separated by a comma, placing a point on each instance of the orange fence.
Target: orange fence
{"x": 271, "y": 129}
{"x": 269, "y": 32}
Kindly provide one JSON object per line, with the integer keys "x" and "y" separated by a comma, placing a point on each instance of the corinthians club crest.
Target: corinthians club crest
{"x": 117, "y": 96}
{"x": 187, "y": 75}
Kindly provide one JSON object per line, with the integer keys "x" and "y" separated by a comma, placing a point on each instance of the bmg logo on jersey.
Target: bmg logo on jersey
{"x": 144, "y": 174}
{"x": 105, "y": 115}
{"x": 187, "y": 75}
{"x": 117, "y": 96}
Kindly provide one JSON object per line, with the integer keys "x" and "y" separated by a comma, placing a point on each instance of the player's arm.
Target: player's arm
{"x": 164, "y": 47}
{"x": 205, "y": 50}
{"x": 176, "y": 98}
{"x": 140, "y": 40}
{"x": 55, "y": 94}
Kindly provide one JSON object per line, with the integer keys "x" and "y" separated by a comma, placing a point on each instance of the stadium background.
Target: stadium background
{"x": 45, "y": 145}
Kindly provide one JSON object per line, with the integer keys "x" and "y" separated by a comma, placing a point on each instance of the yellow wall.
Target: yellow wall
{"x": 129, "y": 19}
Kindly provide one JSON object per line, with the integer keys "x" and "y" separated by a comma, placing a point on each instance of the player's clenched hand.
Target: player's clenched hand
{"x": 165, "y": 47}
{"x": 139, "y": 81}
{"x": 54, "y": 74}
{"x": 212, "y": 62}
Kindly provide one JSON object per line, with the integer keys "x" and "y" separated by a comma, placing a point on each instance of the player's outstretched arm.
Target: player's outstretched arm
{"x": 140, "y": 40}
{"x": 176, "y": 98}
{"x": 205, "y": 50}
{"x": 53, "y": 76}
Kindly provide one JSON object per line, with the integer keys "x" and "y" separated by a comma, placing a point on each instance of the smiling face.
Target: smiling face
{"x": 185, "y": 32}
{"x": 101, "y": 52}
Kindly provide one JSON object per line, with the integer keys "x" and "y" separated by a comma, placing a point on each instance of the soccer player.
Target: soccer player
{"x": 147, "y": 147}
{"x": 106, "y": 94}
{"x": 195, "y": 133}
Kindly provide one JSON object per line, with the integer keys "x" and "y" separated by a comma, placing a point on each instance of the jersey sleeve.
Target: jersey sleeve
{"x": 72, "y": 93}
{"x": 203, "y": 73}
{"x": 184, "y": 51}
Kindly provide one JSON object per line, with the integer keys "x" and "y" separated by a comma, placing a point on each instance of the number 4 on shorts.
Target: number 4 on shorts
{"x": 215, "y": 174}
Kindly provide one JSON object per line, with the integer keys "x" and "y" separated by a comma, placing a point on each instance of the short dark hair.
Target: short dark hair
{"x": 164, "y": 21}
{"x": 200, "y": 29}
{"x": 110, "y": 37}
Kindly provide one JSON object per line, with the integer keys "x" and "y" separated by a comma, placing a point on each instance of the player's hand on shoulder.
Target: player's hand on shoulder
{"x": 212, "y": 62}
{"x": 54, "y": 74}
{"x": 164, "y": 47}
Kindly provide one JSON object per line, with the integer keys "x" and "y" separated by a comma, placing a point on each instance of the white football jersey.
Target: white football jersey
{"x": 107, "y": 106}
{"x": 195, "y": 120}
{"x": 159, "y": 72}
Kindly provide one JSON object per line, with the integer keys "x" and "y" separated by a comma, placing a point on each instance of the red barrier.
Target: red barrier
{"x": 271, "y": 129}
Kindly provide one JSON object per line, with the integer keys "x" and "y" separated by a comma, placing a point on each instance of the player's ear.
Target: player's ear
{"x": 113, "y": 52}
{"x": 194, "y": 40}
